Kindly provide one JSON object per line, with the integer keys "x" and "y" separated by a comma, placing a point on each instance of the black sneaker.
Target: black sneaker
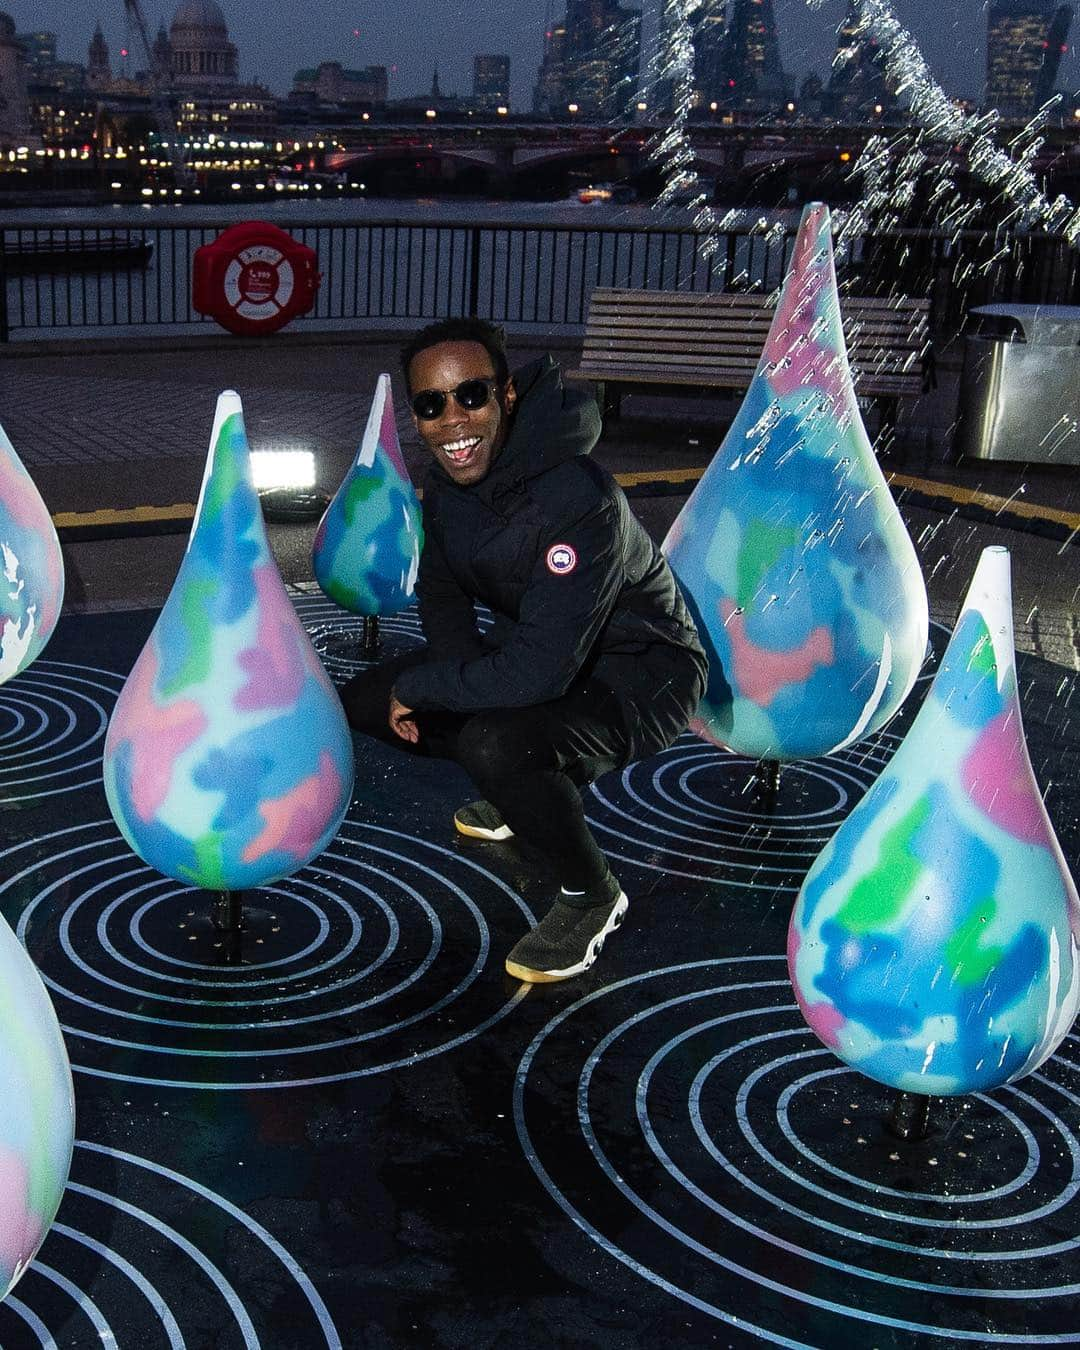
{"x": 566, "y": 941}
{"x": 480, "y": 820}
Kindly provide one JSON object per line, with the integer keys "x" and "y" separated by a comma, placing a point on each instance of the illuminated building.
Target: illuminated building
{"x": 491, "y": 81}
{"x": 753, "y": 75}
{"x": 590, "y": 61}
{"x": 14, "y": 105}
{"x": 1026, "y": 40}
{"x": 858, "y": 86}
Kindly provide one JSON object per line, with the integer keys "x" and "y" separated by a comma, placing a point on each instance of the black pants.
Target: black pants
{"x": 527, "y": 762}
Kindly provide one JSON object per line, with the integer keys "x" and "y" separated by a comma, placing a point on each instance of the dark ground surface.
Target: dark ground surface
{"x": 366, "y": 1135}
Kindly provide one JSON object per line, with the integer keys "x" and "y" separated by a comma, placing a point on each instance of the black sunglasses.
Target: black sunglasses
{"x": 469, "y": 394}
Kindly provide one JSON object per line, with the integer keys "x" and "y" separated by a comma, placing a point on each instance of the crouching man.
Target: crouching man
{"x": 592, "y": 660}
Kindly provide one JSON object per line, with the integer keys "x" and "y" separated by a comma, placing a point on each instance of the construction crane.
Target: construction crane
{"x": 160, "y": 80}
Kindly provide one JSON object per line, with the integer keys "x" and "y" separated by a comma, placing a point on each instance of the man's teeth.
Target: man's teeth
{"x": 461, "y": 449}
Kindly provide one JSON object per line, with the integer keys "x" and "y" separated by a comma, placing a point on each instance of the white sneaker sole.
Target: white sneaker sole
{"x": 478, "y": 831}
{"x": 531, "y": 976}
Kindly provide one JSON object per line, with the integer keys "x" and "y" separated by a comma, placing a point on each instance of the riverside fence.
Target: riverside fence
{"x": 87, "y": 279}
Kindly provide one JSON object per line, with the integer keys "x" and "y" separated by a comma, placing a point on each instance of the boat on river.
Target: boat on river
{"x": 73, "y": 251}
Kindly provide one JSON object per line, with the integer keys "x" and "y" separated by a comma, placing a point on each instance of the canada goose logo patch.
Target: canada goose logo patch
{"x": 561, "y": 559}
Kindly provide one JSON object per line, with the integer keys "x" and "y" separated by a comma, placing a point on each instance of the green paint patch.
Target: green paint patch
{"x": 360, "y": 490}
{"x": 228, "y": 471}
{"x": 342, "y": 595}
{"x": 209, "y": 869}
{"x": 982, "y": 660}
{"x": 878, "y": 897}
{"x": 969, "y": 961}
{"x": 194, "y": 602}
{"x": 762, "y": 546}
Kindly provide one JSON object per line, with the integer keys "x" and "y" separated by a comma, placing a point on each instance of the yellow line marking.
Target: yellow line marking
{"x": 184, "y": 511}
{"x": 135, "y": 515}
{"x": 929, "y": 486}
{"x": 987, "y": 500}
{"x": 658, "y": 476}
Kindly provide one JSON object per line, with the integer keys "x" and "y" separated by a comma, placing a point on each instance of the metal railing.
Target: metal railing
{"x": 389, "y": 273}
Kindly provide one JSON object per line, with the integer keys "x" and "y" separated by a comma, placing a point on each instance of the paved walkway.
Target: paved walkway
{"x": 116, "y": 428}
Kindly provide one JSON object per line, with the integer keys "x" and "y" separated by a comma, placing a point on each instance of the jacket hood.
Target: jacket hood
{"x": 551, "y": 423}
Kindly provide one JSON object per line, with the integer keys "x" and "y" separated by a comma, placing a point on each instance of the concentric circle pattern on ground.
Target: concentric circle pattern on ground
{"x": 141, "y": 1255}
{"x": 386, "y": 952}
{"x": 52, "y": 728}
{"x": 691, "y": 1125}
{"x": 697, "y": 812}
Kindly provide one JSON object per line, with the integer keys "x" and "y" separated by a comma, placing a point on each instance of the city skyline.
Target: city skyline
{"x": 358, "y": 35}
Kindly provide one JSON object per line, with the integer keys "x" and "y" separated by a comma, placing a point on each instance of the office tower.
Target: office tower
{"x": 753, "y": 76}
{"x": 491, "y": 81}
{"x": 40, "y": 49}
{"x": 858, "y": 85}
{"x": 1025, "y": 43}
{"x": 590, "y": 61}
{"x": 709, "y": 24}
{"x": 98, "y": 73}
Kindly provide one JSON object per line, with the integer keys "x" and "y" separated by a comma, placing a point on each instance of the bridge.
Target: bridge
{"x": 521, "y": 158}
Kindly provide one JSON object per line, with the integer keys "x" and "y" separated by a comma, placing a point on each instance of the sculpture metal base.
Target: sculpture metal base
{"x": 910, "y": 1116}
{"x": 232, "y": 932}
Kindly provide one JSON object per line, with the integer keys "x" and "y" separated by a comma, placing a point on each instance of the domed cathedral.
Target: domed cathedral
{"x": 204, "y": 75}
{"x": 201, "y": 55}
{"x": 14, "y": 105}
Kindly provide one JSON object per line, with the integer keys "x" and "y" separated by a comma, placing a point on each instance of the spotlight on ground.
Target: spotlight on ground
{"x": 285, "y": 482}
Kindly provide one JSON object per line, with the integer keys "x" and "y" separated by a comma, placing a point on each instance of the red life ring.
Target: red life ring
{"x": 254, "y": 278}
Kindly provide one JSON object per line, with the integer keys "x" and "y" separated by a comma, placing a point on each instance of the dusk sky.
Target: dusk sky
{"x": 412, "y": 35}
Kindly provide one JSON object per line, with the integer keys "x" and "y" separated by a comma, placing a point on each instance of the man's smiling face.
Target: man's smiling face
{"x": 464, "y": 441}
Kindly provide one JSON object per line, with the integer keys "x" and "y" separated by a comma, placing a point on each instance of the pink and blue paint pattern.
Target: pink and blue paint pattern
{"x": 791, "y": 551}
{"x": 37, "y": 1111}
{"x": 367, "y": 546}
{"x": 32, "y": 584}
{"x": 934, "y": 943}
{"x": 228, "y": 760}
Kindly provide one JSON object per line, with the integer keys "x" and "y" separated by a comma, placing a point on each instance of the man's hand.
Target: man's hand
{"x": 402, "y": 722}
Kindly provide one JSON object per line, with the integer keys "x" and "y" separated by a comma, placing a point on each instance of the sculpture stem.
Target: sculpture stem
{"x": 369, "y": 646}
{"x": 910, "y": 1116}
{"x": 768, "y": 775}
{"x": 227, "y": 913}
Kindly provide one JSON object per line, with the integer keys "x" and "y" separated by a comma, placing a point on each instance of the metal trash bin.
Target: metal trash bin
{"x": 1020, "y": 385}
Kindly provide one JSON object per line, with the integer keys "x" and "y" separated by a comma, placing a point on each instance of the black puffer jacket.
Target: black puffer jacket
{"x": 548, "y": 542}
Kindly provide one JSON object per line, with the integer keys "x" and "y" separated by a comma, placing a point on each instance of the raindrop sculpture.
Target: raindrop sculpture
{"x": 934, "y": 943}
{"x": 791, "y": 551}
{"x": 228, "y": 760}
{"x": 367, "y": 546}
{"x": 32, "y": 589}
{"x": 37, "y": 1111}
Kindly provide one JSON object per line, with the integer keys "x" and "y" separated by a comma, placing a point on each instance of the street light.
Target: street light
{"x": 572, "y": 107}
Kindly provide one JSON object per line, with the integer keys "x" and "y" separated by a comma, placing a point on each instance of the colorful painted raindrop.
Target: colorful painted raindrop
{"x": 367, "y": 546}
{"x": 228, "y": 761}
{"x": 32, "y": 586}
{"x": 934, "y": 943}
{"x": 37, "y": 1111}
{"x": 791, "y": 550}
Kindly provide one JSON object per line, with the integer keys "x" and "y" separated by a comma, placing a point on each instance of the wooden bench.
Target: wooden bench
{"x": 681, "y": 340}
